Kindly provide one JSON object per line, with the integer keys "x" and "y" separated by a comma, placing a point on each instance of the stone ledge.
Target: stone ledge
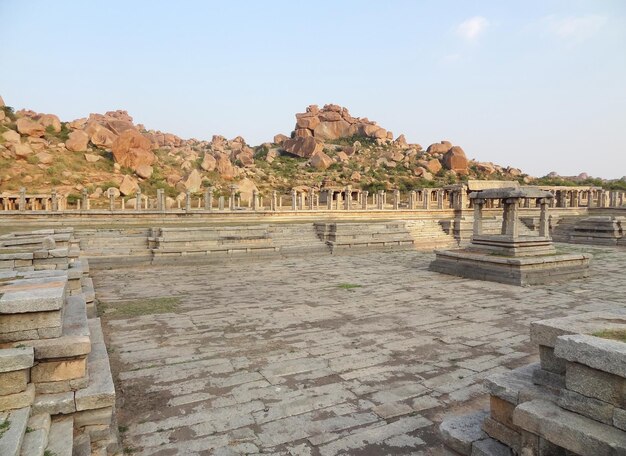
{"x": 13, "y": 359}
{"x": 33, "y": 295}
{"x": 569, "y": 430}
{"x": 546, "y": 332}
{"x": 460, "y": 432}
{"x": 602, "y": 354}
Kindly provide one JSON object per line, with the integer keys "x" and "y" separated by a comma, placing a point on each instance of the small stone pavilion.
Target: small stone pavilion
{"x": 510, "y": 257}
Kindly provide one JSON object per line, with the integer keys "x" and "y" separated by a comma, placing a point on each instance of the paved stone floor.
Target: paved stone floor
{"x": 276, "y": 357}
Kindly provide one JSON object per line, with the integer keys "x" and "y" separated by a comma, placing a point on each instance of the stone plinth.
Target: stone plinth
{"x": 583, "y": 414}
{"x": 514, "y": 271}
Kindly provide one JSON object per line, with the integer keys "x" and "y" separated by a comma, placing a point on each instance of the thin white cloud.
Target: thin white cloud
{"x": 472, "y": 28}
{"x": 576, "y": 29}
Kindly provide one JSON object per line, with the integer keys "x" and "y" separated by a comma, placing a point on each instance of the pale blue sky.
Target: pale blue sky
{"x": 540, "y": 85}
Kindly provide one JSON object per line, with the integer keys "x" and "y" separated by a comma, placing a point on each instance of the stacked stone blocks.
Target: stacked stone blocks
{"x": 55, "y": 377}
{"x": 571, "y": 403}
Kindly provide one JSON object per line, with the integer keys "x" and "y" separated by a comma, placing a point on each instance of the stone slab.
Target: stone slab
{"x": 460, "y": 432}
{"x": 12, "y": 359}
{"x": 569, "y": 430}
{"x": 13, "y": 382}
{"x": 61, "y": 436}
{"x": 546, "y": 332}
{"x": 12, "y": 438}
{"x": 602, "y": 354}
{"x": 33, "y": 295}
{"x": 18, "y": 400}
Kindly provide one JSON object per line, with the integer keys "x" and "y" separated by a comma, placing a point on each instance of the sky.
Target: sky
{"x": 538, "y": 85}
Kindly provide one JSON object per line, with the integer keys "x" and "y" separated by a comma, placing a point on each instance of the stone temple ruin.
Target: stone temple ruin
{"x": 510, "y": 257}
{"x": 143, "y": 328}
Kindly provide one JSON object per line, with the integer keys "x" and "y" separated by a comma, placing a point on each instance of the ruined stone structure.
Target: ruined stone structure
{"x": 570, "y": 403}
{"x": 510, "y": 257}
{"x": 56, "y": 388}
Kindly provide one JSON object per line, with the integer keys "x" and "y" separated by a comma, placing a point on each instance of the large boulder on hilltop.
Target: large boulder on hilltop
{"x": 193, "y": 182}
{"x": 334, "y": 130}
{"x": 303, "y": 147}
{"x": 280, "y": 138}
{"x": 132, "y": 149}
{"x": 439, "y": 148}
{"x": 433, "y": 166}
{"x": 100, "y": 136}
{"x": 128, "y": 186}
{"x": 144, "y": 171}
{"x": 77, "y": 141}
{"x": 224, "y": 167}
{"x": 11, "y": 136}
{"x": 50, "y": 120}
{"x": 208, "y": 162}
{"x": 320, "y": 161}
{"x": 455, "y": 160}
{"x": 22, "y": 150}
{"x": 30, "y": 127}
{"x": 245, "y": 187}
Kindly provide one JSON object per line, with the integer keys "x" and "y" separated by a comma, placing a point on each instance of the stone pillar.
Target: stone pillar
{"x": 380, "y": 200}
{"x": 111, "y": 200}
{"x": 208, "y": 199}
{"x": 364, "y": 200}
{"x": 255, "y": 196}
{"x": 233, "y": 197}
{"x": 589, "y": 198}
{"x": 348, "y": 201}
{"x": 187, "y": 201}
{"x": 294, "y": 200}
{"x": 426, "y": 197}
{"x": 478, "y": 216}
{"x": 123, "y": 203}
{"x": 412, "y": 197}
{"x": 301, "y": 204}
{"x": 311, "y": 198}
{"x": 440, "y": 198}
{"x": 579, "y": 202}
{"x": 221, "y": 203}
{"x": 329, "y": 199}
{"x": 54, "y": 198}
{"x": 160, "y": 202}
{"x": 22, "y": 202}
{"x": 511, "y": 213}
{"x": 85, "y": 199}
{"x": 138, "y": 200}
{"x": 544, "y": 227}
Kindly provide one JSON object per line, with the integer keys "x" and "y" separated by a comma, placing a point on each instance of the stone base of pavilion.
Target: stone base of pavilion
{"x": 512, "y": 246}
{"x": 519, "y": 270}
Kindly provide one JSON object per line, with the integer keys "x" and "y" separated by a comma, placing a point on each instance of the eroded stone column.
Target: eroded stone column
{"x": 311, "y": 198}
{"x": 329, "y": 199}
{"x": 544, "y": 228}
{"x": 160, "y": 200}
{"x": 396, "y": 199}
{"x": 221, "y": 203}
{"x": 255, "y": 195}
{"x": 111, "y": 200}
{"x": 274, "y": 201}
{"x": 478, "y": 216}
{"x": 294, "y": 200}
{"x": 512, "y": 227}
{"x": 348, "y": 201}
{"x": 364, "y": 200}
{"x": 426, "y": 197}
{"x": 233, "y": 198}
{"x": 187, "y": 201}
{"x": 22, "y": 201}
{"x": 208, "y": 199}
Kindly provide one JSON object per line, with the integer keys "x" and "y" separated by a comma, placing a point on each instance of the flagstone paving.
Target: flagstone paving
{"x": 322, "y": 355}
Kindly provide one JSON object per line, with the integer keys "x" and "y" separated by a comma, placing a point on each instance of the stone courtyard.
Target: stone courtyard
{"x": 360, "y": 354}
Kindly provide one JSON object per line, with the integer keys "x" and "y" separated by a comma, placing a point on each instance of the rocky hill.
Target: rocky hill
{"x": 327, "y": 145}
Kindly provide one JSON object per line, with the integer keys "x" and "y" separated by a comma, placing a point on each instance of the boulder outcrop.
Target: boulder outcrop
{"x": 132, "y": 149}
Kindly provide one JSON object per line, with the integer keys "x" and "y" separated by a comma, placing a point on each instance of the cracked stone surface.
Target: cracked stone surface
{"x": 276, "y": 357}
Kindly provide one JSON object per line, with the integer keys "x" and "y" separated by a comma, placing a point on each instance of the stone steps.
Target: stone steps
{"x": 36, "y": 437}
{"x": 13, "y": 429}
{"x": 61, "y": 436}
{"x": 574, "y": 432}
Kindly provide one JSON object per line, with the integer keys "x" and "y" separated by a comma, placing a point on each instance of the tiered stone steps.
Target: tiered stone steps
{"x": 112, "y": 246}
{"x": 562, "y": 228}
{"x": 55, "y": 378}
{"x": 342, "y": 237}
